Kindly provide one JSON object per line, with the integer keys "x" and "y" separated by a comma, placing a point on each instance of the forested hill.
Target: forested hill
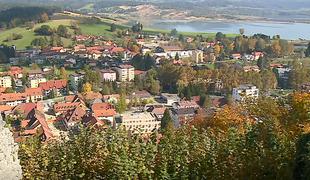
{"x": 19, "y": 15}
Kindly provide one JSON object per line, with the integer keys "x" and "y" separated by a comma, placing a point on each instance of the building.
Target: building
{"x": 108, "y": 75}
{"x": 125, "y": 73}
{"x": 169, "y": 99}
{"x": 73, "y": 117}
{"x": 104, "y": 112}
{"x": 139, "y": 122}
{"x": 75, "y": 80}
{"x": 16, "y": 72}
{"x": 6, "y": 81}
{"x": 182, "y": 116}
{"x": 34, "y": 94}
{"x": 243, "y": 92}
{"x": 198, "y": 56}
{"x": 13, "y": 99}
{"x": 57, "y": 87}
{"x": 35, "y": 81}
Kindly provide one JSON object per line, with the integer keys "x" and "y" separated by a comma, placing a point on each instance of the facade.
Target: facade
{"x": 13, "y": 99}
{"x": 125, "y": 73}
{"x": 245, "y": 91}
{"x": 34, "y": 94}
{"x": 75, "y": 79}
{"x": 108, "y": 75}
{"x": 139, "y": 122}
{"x": 35, "y": 81}
{"x": 198, "y": 56}
{"x": 170, "y": 98}
{"x": 104, "y": 112}
{"x": 6, "y": 81}
{"x": 59, "y": 87}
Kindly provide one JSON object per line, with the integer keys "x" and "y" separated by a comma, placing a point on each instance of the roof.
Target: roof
{"x": 91, "y": 120}
{"x": 107, "y": 71}
{"x": 33, "y": 92}
{"x": 103, "y": 110}
{"x": 25, "y": 108}
{"x": 159, "y": 111}
{"x": 185, "y": 111}
{"x": 9, "y": 97}
{"x": 188, "y": 104}
{"x": 5, "y": 108}
{"x": 172, "y": 48}
{"x": 139, "y": 72}
{"x": 141, "y": 94}
{"x": 92, "y": 95}
{"x": 53, "y": 84}
{"x": 35, "y": 71}
{"x": 75, "y": 115}
{"x": 125, "y": 66}
{"x": 60, "y": 107}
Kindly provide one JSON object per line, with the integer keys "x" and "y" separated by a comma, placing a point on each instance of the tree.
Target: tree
{"x": 44, "y": 30}
{"x": 217, "y": 50}
{"x": 263, "y": 63}
{"x": 63, "y": 73}
{"x": 276, "y": 48}
{"x": 39, "y": 42}
{"x": 241, "y": 31}
{"x": 113, "y": 27}
{"x": 166, "y": 121}
{"x": 307, "y": 53}
{"x": 34, "y": 66}
{"x": 205, "y": 101}
{"x": 219, "y": 36}
{"x": 260, "y": 44}
{"x": 121, "y": 104}
{"x": 55, "y": 40}
{"x": 174, "y": 32}
{"x": 62, "y": 31}
{"x": 44, "y": 18}
{"x": 87, "y": 87}
{"x": 302, "y": 158}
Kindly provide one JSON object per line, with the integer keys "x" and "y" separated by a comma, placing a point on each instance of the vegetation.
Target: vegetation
{"x": 232, "y": 144}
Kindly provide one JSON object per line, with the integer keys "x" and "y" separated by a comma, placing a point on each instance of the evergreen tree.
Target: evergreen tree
{"x": 167, "y": 120}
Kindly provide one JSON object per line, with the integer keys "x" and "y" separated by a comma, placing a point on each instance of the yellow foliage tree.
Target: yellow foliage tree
{"x": 276, "y": 48}
{"x": 217, "y": 50}
{"x": 87, "y": 87}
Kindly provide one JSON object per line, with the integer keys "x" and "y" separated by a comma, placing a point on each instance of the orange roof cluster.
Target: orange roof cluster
{"x": 33, "y": 92}
{"x": 60, "y": 107}
{"x": 103, "y": 110}
{"x": 53, "y": 84}
{"x": 9, "y": 97}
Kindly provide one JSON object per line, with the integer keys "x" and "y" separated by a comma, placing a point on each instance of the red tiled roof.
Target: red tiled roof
{"x": 103, "y": 110}
{"x": 92, "y": 95}
{"x": 139, "y": 72}
{"x": 98, "y": 106}
{"x": 33, "y": 92}
{"x": 117, "y": 50}
{"x": 75, "y": 115}
{"x": 25, "y": 108}
{"x": 12, "y": 97}
{"x": 5, "y": 108}
{"x": 41, "y": 118}
{"x": 61, "y": 107}
{"x": 53, "y": 84}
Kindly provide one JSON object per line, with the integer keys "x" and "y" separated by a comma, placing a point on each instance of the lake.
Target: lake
{"x": 290, "y": 31}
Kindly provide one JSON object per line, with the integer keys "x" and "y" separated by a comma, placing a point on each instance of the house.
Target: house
{"x": 90, "y": 120}
{"x": 34, "y": 94}
{"x": 63, "y": 107}
{"x": 13, "y": 99}
{"x": 141, "y": 96}
{"x": 244, "y": 92}
{"x": 16, "y": 72}
{"x": 91, "y": 96}
{"x": 169, "y": 99}
{"x": 182, "y": 116}
{"x": 157, "y": 110}
{"x": 185, "y": 104}
{"x": 198, "y": 56}
{"x": 139, "y": 122}
{"x": 24, "y": 109}
{"x": 37, "y": 125}
{"x": 108, "y": 75}
{"x": 75, "y": 80}
{"x": 236, "y": 56}
{"x": 6, "y": 81}
{"x": 251, "y": 69}
{"x": 125, "y": 73}
{"x": 58, "y": 87}
{"x": 140, "y": 73}
{"x": 257, "y": 55}
{"x": 104, "y": 112}
{"x": 112, "y": 98}
{"x": 73, "y": 117}
{"x": 36, "y": 80}
{"x": 35, "y": 73}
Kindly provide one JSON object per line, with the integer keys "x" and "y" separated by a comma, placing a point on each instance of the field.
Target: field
{"x": 90, "y": 29}
{"x": 29, "y": 35}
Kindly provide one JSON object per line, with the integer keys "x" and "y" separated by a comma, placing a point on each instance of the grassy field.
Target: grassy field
{"x": 89, "y": 29}
{"x": 29, "y": 35}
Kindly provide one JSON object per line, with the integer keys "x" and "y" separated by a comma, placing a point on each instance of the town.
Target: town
{"x": 82, "y": 97}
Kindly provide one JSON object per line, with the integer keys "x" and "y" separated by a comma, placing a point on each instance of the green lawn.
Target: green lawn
{"x": 29, "y": 35}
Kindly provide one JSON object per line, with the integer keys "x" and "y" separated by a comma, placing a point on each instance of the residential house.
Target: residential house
{"x": 251, "y": 69}
{"x": 16, "y": 72}
{"x": 157, "y": 110}
{"x": 141, "y": 97}
{"x": 185, "y": 104}
{"x": 108, "y": 75}
{"x": 198, "y": 56}
{"x": 90, "y": 120}
{"x": 125, "y": 73}
{"x": 104, "y": 112}
{"x": 36, "y": 80}
{"x": 112, "y": 98}
{"x": 73, "y": 117}
{"x": 139, "y": 122}
{"x": 34, "y": 94}
{"x": 91, "y": 96}
{"x": 6, "y": 81}
{"x": 63, "y": 107}
{"x": 13, "y": 99}
{"x": 182, "y": 116}
{"x": 244, "y": 92}
{"x": 57, "y": 87}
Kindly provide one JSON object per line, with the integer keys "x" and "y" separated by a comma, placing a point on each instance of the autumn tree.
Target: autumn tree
{"x": 166, "y": 121}
{"x": 276, "y": 48}
{"x": 44, "y": 18}
{"x": 87, "y": 87}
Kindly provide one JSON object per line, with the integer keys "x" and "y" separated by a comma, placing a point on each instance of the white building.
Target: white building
{"x": 170, "y": 99}
{"x": 35, "y": 81}
{"x": 125, "y": 73}
{"x": 139, "y": 122}
{"x": 245, "y": 92}
{"x": 108, "y": 75}
{"x": 6, "y": 81}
